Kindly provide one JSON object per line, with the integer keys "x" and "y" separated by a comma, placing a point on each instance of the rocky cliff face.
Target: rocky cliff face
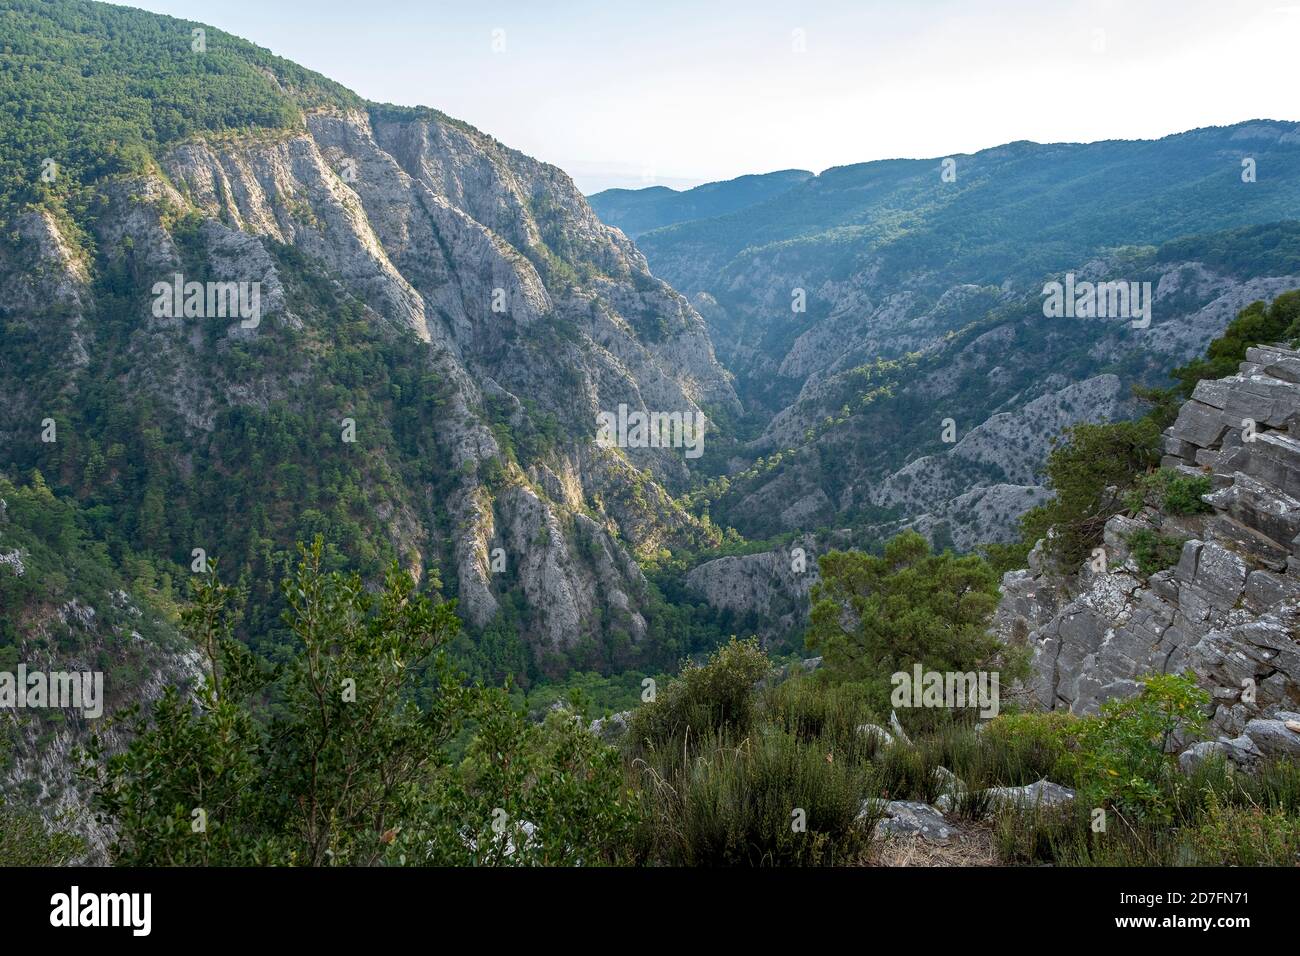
{"x": 1228, "y": 610}
{"x": 768, "y": 591}
{"x": 533, "y": 316}
{"x": 67, "y": 615}
{"x": 951, "y": 440}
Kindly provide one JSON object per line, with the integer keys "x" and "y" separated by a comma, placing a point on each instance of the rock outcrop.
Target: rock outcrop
{"x": 1228, "y": 611}
{"x": 772, "y": 586}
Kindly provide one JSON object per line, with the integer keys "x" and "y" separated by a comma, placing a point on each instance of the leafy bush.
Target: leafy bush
{"x": 25, "y": 840}
{"x": 1063, "y": 836}
{"x": 1154, "y": 551}
{"x": 1246, "y": 836}
{"x": 768, "y": 801}
{"x": 1018, "y": 749}
{"x": 526, "y": 794}
{"x": 330, "y": 760}
{"x": 1090, "y": 469}
{"x": 1170, "y": 491}
{"x": 811, "y": 711}
{"x": 718, "y": 695}
{"x": 1124, "y": 752}
{"x": 1183, "y": 495}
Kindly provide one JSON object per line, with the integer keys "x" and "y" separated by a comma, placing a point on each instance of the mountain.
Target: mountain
{"x": 866, "y": 308}
{"x": 637, "y": 211}
{"x": 65, "y": 607}
{"x": 864, "y": 442}
{"x": 242, "y": 307}
{"x": 438, "y": 321}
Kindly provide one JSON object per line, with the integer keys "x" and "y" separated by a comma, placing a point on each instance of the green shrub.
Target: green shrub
{"x": 25, "y": 840}
{"x": 900, "y": 772}
{"x": 1124, "y": 758}
{"x": 1063, "y": 836}
{"x": 812, "y": 710}
{"x": 1246, "y": 836}
{"x": 1090, "y": 470}
{"x": 718, "y": 695}
{"x": 1183, "y": 495}
{"x": 1018, "y": 749}
{"x": 526, "y": 794}
{"x": 876, "y": 616}
{"x": 1154, "y": 551}
{"x": 770, "y": 800}
{"x": 1170, "y": 491}
{"x": 1274, "y": 784}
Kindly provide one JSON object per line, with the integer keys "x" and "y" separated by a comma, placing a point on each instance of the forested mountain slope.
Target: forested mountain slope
{"x": 439, "y": 321}
{"x": 887, "y": 324}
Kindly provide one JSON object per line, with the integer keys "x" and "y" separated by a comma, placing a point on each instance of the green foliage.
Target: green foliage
{"x": 340, "y": 756}
{"x": 1170, "y": 491}
{"x": 1273, "y": 248}
{"x": 1028, "y": 747}
{"x": 1219, "y": 818}
{"x": 720, "y": 768}
{"x": 338, "y": 762}
{"x": 1246, "y": 836}
{"x": 1154, "y": 551}
{"x": 817, "y": 712}
{"x": 1090, "y": 469}
{"x": 525, "y": 794}
{"x": 874, "y": 616}
{"x": 715, "y": 696}
{"x": 26, "y": 841}
{"x": 97, "y": 88}
{"x": 1124, "y": 753}
{"x": 746, "y": 804}
{"x": 1007, "y": 556}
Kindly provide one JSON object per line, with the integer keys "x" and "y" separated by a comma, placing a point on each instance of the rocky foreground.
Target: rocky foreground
{"x": 1228, "y": 611}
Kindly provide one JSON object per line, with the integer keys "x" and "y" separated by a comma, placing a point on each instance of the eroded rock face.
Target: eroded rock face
{"x": 42, "y": 769}
{"x": 772, "y": 585}
{"x": 1228, "y": 611}
{"x": 1008, "y": 384}
{"x": 437, "y": 228}
{"x": 527, "y": 308}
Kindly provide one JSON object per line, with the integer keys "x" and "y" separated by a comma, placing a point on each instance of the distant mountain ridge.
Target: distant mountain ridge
{"x": 863, "y": 307}
{"x": 638, "y": 211}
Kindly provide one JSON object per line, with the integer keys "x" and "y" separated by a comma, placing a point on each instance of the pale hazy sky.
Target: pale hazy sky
{"x": 679, "y": 93}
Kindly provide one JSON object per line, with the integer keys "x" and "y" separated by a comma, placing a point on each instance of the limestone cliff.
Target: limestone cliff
{"x": 1228, "y": 610}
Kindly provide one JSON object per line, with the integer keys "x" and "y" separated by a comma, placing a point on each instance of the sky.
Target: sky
{"x": 675, "y": 93}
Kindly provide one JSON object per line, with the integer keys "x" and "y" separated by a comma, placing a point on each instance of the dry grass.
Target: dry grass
{"x": 971, "y": 845}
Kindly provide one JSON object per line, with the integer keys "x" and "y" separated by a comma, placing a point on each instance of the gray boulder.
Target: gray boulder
{"x": 1279, "y": 737}
{"x": 909, "y": 818}
{"x": 1041, "y": 793}
{"x": 612, "y": 727}
{"x": 1240, "y": 752}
